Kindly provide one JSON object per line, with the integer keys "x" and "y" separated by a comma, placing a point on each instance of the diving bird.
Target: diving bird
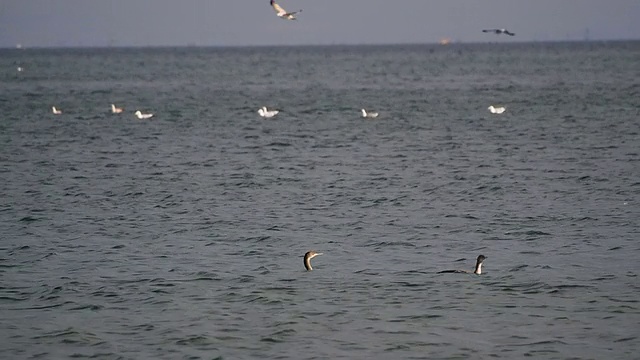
{"x": 56, "y": 111}
{"x": 116, "y": 110}
{"x": 282, "y": 13}
{"x": 307, "y": 259}
{"x": 140, "y": 115}
{"x": 265, "y": 113}
{"x": 477, "y": 271}
{"x": 497, "y": 110}
{"x": 370, "y": 115}
{"x": 498, "y": 31}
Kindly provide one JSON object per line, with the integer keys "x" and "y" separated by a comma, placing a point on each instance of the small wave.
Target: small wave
{"x": 543, "y": 342}
{"x": 92, "y": 307}
{"x": 464, "y": 216}
{"x": 278, "y": 144}
{"x": 384, "y": 244}
{"x": 528, "y": 233}
{"x": 279, "y": 336}
{"x": 45, "y": 306}
{"x": 195, "y": 340}
{"x": 518, "y": 268}
{"x": 625, "y": 339}
{"x": 8, "y": 298}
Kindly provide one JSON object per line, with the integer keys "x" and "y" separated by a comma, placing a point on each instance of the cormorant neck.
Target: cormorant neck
{"x": 478, "y": 269}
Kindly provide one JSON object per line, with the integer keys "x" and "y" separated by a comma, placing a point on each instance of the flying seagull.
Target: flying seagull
{"x": 282, "y": 13}
{"x": 498, "y": 31}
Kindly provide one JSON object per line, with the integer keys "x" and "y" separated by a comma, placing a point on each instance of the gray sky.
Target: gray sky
{"x": 53, "y": 23}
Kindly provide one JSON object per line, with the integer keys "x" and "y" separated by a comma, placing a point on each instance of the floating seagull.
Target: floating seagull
{"x": 307, "y": 259}
{"x": 116, "y": 110}
{"x": 498, "y": 31}
{"x": 497, "y": 110}
{"x": 370, "y": 115}
{"x": 477, "y": 270}
{"x": 20, "y": 68}
{"x": 265, "y": 113}
{"x": 282, "y": 13}
{"x": 56, "y": 111}
{"x": 140, "y": 115}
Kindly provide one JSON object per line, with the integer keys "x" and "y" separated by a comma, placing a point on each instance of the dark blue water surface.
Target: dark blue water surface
{"x": 181, "y": 237}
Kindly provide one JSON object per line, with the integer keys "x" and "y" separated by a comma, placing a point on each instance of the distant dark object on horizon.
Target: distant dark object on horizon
{"x": 498, "y": 31}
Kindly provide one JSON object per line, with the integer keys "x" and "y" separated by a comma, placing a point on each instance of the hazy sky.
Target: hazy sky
{"x": 53, "y": 23}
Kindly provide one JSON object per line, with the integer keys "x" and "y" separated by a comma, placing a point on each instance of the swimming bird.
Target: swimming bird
{"x": 140, "y": 115}
{"x": 477, "y": 271}
{"x": 498, "y": 31}
{"x": 56, "y": 111}
{"x": 307, "y": 259}
{"x": 265, "y": 113}
{"x": 282, "y": 13}
{"x": 370, "y": 115}
{"x": 116, "y": 110}
{"x": 496, "y": 110}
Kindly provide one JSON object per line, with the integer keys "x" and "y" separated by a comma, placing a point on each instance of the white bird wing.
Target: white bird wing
{"x": 278, "y": 9}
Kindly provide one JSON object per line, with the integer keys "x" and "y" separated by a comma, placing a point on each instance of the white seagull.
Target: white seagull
{"x": 265, "y": 113}
{"x": 370, "y": 115}
{"x": 498, "y": 31}
{"x": 56, "y": 111}
{"x": 116, "y": 110}
{"x": 282, "y": 13}
{"x": 496, "y": 110}
{"x": 140, "y": 115}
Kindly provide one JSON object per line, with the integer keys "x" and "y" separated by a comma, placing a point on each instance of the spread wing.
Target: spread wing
{"x": 278, "y": 8}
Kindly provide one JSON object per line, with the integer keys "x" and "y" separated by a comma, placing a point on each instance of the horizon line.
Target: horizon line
{"x": 450, "y": 43}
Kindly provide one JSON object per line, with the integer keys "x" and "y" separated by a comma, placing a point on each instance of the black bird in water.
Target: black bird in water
{"x": 498, "y": 31}
{"x": 307, "y": 259}
{"x": 477, "y": 271}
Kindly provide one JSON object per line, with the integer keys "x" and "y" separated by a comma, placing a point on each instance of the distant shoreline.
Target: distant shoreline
{"x": 434, "y": 44}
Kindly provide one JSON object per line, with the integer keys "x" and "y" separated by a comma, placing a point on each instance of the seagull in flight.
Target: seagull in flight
{"x": 282, "y": 13}
{"x": 498, "y": 31}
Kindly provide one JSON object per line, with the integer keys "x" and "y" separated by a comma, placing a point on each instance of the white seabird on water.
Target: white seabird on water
{"x": 496, "y": 110}
{"x": 141, "y": 116}
{"x": 56, "y": 111}
{"x": 282, "y": 13}
{"x": 370, "y": 115}
{"x": 266, "y": 113}
{"x": 499, "y": 31}
{"x": 116, "y": 110}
